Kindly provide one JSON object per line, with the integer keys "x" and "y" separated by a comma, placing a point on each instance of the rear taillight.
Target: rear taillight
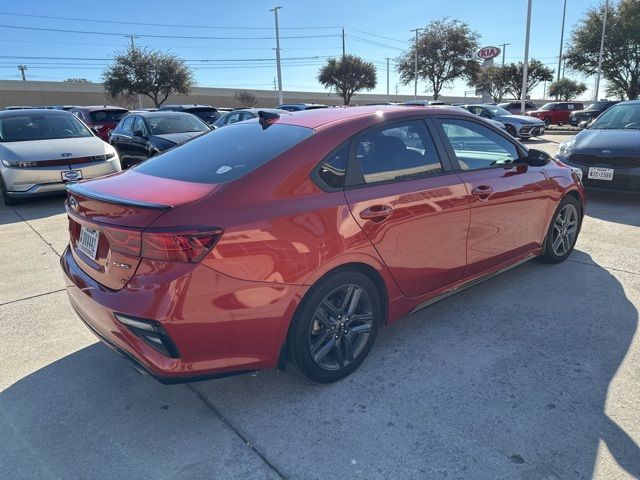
{"x": 123, "y": 240}
{"x": 180, "y": 245}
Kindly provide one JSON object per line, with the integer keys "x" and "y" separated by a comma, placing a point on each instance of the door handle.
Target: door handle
{"x": 376, "y": 213}
{"x": 483, "y": 192}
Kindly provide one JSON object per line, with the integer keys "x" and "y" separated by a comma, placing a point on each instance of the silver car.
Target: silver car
{"x": 518, "y": 126}
{"x": 42, "y": 150}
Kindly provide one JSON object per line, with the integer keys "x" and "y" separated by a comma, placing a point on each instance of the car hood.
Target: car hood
{"x": 179, "y": 138}
{"x": 520, "y": 119}
{"x": 617, "y": 141}
{"x": 54, "y": 149}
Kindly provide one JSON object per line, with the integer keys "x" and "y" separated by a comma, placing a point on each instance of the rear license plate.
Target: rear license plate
{"x": 88, "y": 241}
{"x": 71, "y": 175}
{"x": 598, "y": 173}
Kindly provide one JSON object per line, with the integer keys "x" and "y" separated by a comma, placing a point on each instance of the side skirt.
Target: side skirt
{"x": 469, "y": 284}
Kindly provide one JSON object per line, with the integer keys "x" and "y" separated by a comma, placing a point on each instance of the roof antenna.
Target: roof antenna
{"x": 267, "y": 118}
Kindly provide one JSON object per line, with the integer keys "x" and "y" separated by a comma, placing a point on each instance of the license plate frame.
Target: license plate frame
{"x": 88, "y": 241}
{"x": 71, "y": 175}
{"x": 600, "y": 173}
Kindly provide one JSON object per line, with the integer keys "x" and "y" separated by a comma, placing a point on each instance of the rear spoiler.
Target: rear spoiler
{"x": 79, "y": 189}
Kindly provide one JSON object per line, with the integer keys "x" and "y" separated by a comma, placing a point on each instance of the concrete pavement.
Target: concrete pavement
{"x": 533, "y": 374}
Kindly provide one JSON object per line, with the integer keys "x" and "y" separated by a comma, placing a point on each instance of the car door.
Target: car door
{"x": 415, "y": 211}
{"x": 140, "y": 140}
{"x": 509, "y": 199}
{"x": 122, "y": 141}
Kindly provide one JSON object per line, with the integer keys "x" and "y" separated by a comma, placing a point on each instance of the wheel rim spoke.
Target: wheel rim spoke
{"x": 326, "y": 348}
{"x": 348, "y": 348}
{"x": 360, "y": 329}
{"x": 353, "y": 301}
{"x": 340, "y": 352}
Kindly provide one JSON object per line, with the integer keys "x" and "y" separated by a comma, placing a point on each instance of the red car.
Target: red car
{"x": 295, "y": 237}
{"x": 100, "y": 118}
{"x": 556, "y": 113}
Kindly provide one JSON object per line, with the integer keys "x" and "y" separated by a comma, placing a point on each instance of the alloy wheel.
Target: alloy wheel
{"x": 565, "y": 229}
{"x": 341, "y": 326}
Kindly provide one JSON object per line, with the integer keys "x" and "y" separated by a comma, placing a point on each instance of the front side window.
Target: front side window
{"x": 139, "y": 127}
{"x": 397, "y": 151}
{"x": 27, "y": 127}
{"x": 549, "y": 106}
{"x": 127, "y": 125}
{"x": 476, "y": 146}
{"x": 225, "y": 154}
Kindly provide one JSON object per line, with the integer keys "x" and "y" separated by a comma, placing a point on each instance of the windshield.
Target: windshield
{"x": 225, "y": 154}
{"x": 498, "y": 111}
{"x": 108, "y": 116}
{"x": 619, "y": 117}
{"x": 548, "y": 106}
{"x": 27, "y": 127}
{"x": 176, "y": 123}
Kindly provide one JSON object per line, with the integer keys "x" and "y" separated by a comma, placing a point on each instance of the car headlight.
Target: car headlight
{"x": 566, "y": 148}
{"x": 578, "y": 173}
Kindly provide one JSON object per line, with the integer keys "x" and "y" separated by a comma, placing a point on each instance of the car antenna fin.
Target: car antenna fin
{"x": 267, "y": 118}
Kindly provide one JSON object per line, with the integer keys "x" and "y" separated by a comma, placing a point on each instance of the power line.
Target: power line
{"x": 377, "y": 44}
{"x": 379, "y": 36}
{"x": 148, "y": 35}
{"x": 172, "y": 25}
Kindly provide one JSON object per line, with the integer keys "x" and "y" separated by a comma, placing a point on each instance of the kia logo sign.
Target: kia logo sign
{"x": 488, "y": 52}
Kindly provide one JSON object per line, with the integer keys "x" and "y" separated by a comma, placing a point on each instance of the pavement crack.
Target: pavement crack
{"x": 34, "y": 230}
{"x": 229, "y": 425}
{"x": 32, "y": 296}
{"x": 604, "y": 266}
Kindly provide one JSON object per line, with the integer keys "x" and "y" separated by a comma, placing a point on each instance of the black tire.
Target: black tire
{"x": 555, "y": 250}
{"x": 511, "y": 130}
{"x": 324, "y": 330}
{"x": 547, "y": 121}
{"x": 8, "y": 201}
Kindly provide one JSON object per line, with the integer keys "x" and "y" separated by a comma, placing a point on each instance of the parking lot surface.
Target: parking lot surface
{"x": 532, "y": 374}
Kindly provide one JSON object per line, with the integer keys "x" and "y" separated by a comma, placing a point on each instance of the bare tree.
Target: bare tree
{"x": 245, "y": 98}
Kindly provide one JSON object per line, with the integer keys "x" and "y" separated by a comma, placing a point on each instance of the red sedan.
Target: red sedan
{"x": 295, "y": 237}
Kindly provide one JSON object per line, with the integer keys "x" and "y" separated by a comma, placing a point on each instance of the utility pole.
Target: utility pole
{"x": 525, "y": 73}
{"x": 504, "y": 51}
{"x": 133, "y": 47}
{"x": 22, "y": 69}
{"x": 564, "y": 13}
{"x": 344, "y": 49}
{"x": 278, "y": 67}
{"x": 415, "y": 66}
{"x": 387, "y": 78}
{"x": 604, "y": 29}
{"x": 396, "y": 89}
{"x": 275, "y": 85}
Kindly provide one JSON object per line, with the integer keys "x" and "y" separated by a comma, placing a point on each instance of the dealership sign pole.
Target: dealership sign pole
{"x": 487, "y": 54}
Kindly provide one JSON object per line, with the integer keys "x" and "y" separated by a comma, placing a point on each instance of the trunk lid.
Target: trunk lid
{"x": 108, "y": 216}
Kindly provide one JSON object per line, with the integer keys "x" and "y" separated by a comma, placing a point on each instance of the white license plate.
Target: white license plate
{"x": 71, "y": 175}
{"x": 88, "y": 241}
{"x": 598, "y": 173}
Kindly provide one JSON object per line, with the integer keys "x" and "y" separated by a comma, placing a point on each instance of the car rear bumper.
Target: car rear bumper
{"x": 220, "y": 325}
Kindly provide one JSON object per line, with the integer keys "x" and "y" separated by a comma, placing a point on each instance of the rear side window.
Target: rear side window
{"x": 334, "y": 168}
{"x": 397, "y": 151}
{"x": 226, "y": 154}
{"x": 107, "y": 115}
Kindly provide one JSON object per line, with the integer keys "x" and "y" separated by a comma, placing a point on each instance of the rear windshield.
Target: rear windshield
{"x": 26, "y": 127}
{"x": 225, "y": 154}
{"x": 177, "y": 123}
{"x": 113, "y": 116}
{"x": 205, "y": 113}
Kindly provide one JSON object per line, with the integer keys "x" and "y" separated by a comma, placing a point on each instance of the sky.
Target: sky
{"x": 239, "y": 51}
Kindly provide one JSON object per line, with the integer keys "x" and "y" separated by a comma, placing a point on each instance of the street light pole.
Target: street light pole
{"x": 344, "y": 48}
{"x": 278, "y": 67}
{"x": 604, "y": 29}
{"x": 387, "y": 78}
{"x": 504, "y": 50}
{"x": 564, "y": 14}
{"x": 525, "y": 70}
{"x": 415, "y": 66}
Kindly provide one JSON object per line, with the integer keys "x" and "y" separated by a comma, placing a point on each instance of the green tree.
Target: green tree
{"x": 621, "y": 54}
{"x": 348, "y": 75}
{"x": 446, "y": 51}
{"x": 147, "y": 72}
{"x": 492, "y": 80}
{"x": 537, "y": 73}
{"x": 566, "y": 89}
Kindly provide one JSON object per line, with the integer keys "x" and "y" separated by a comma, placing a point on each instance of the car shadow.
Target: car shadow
{"x": 505, "y": 380}
{"x": 32, "y": 209}
{"x": 611, "y": 206}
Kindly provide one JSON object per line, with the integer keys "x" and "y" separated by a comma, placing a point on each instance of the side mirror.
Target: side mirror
{"x": 537, "y": 158}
